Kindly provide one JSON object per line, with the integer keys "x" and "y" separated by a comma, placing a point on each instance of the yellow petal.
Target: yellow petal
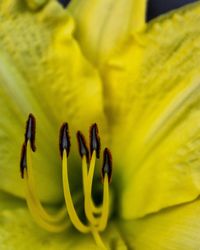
{"x": 18, "y": 231}
{"x": 103, "y": 25}
{"x": 42, "y": 71}
{"x": 154, "y": 86}
{"x": 36, "y": 4}
{"x": 175, "y": 228}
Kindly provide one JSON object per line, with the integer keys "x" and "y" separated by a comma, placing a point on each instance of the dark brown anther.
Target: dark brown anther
{"x": 83, "y": 149}
{"x": 94, "y": 140}
{"x": 107, "y": 164}
{"x": 23, "y": 161}
{"x": 30, "y": 131}
{"x": 64, "y": 141}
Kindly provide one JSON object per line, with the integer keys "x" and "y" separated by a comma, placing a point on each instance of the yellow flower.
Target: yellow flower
{"x": 140, "y": 84}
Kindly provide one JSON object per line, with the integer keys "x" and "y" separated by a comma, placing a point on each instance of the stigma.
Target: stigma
{"x": 96, "y": 215}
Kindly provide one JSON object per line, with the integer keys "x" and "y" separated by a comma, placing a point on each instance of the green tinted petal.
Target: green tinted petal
{"x": 103, "y": 25}
{"x": 175, "y": 228}
{"x": 9, "y": 202}
{"x": 154, "y": 86}
{"x": 42, "y": 71}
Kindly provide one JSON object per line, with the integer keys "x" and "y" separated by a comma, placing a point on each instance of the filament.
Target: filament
{"x": 68, "y": 199}
{"x": 105, "y": 208}
{"x": 97, "y": 238}
{"x": 51, "y": 227}
{"x": 30, "y": 185}
{"x": 50, "y": 222}
{"x": 95, "y": 209}
{"x": 87, "y": 194}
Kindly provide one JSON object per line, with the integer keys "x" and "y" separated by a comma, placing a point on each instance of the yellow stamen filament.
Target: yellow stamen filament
{"x": 95, "y": 224}
{"x": 95, "y": 209}
{"x": 68, "y": 199}
{"x": 87, "y": 194}
{"x": 105, "y": 209}
{"x": 51, "y": 227}
{"x": 97, "y": 238}
{"x": 50, "y": 222}
{"x": 33, "y": 197}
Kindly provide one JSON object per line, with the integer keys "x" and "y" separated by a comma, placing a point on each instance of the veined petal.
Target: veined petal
{"x": 154, "y": 85}
{"x": 103, "y": 25}
{"x": 42, "y": 71}
{"x": 176, "y": 228}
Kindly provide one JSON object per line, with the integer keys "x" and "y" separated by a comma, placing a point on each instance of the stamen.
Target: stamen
{"x": 30, "y": 131}
{"x": 38, "y": 214}
{"x": 95, "y": 209}
{"x": 90, "y": 208}
{"x": 30, "y": 184}
{"x": 83, "y": 150}
{"x": 23, "y": 161}
{"x": 105, "y": 209}
{"x": 68, "y": 199}
{"x": 97, "y": 216}
{"x": 107, "y": 164}
{"x": 97, "y": 238}
{"x": 94, "y": 140}
{"x": 87, "y": 194}
{"x": 64, "y": 142}
{"x": 106, "y": 173}
{"x": 52, "y": 223}
{"x": 95, "y": 147}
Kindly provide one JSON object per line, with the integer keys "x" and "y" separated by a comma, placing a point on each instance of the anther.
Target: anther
{"x": 64, "y": 142}
{"x": 94, "y": 140}
{"x": 83, "y": 149}
{"x": 23, "y": 160}
{"x": 30, "y": 131}
{"x": 107, "y": 164}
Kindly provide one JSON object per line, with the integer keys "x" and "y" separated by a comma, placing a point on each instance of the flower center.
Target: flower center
{"x": 97, "y": 216}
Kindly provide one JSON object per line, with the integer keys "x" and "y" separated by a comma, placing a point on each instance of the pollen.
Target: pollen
{"x": 96, "y": 216}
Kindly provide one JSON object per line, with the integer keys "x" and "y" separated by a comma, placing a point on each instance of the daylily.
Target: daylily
{"x": 138, "y": 86}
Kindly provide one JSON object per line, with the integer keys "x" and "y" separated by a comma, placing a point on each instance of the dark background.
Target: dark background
{"x": 155, "y": 7}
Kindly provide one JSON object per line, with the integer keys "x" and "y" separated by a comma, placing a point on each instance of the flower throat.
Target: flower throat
{"x": 97, "y": 216}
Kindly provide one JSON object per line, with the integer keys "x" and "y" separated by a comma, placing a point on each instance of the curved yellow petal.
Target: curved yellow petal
{"x": 103, "y": 25}
{"x": 154, "y": 85}
{"x": 42, "y": 71}
{"x": 176, "y": 228}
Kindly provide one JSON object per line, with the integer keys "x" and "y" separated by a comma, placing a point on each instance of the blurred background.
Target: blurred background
{"x": 158, "y": 7}
{"x": 155, "y": 7}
